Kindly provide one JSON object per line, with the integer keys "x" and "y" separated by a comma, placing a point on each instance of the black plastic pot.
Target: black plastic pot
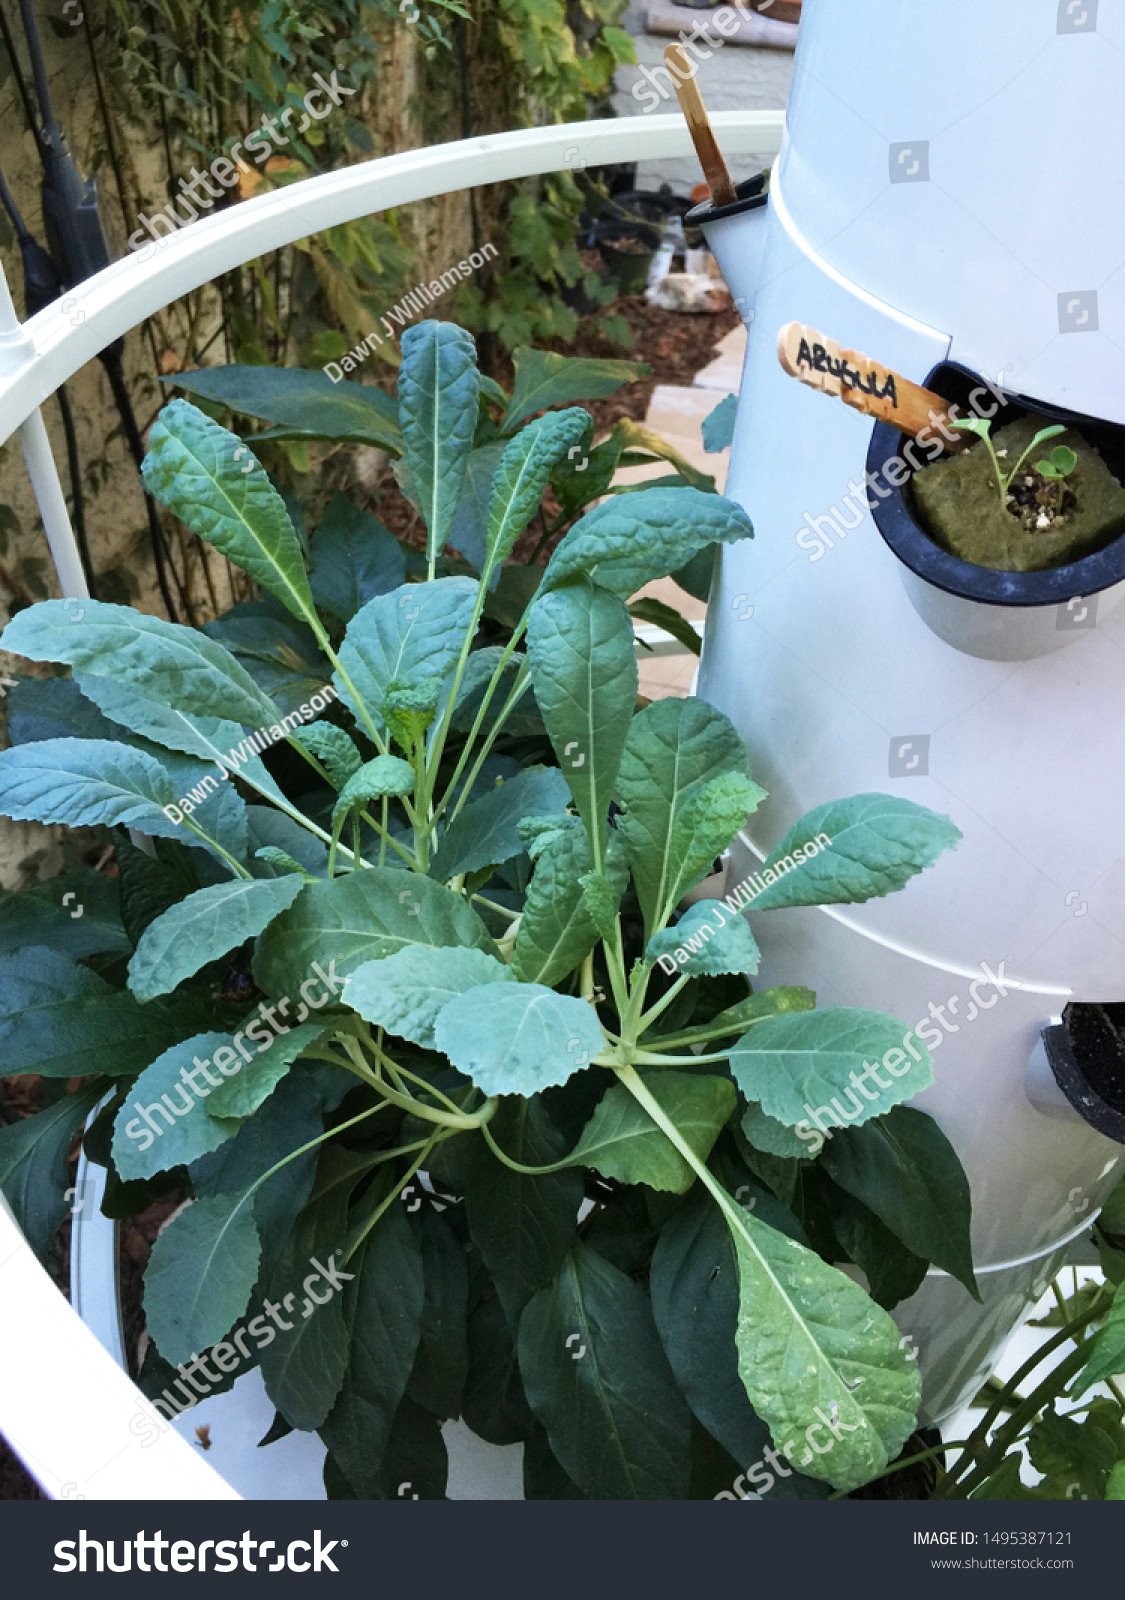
{"x": 752, "y": 194}
{"x": 629, "y": 268}
{"x": 1074, "y": 1061}
{"x": 896, "y": 519}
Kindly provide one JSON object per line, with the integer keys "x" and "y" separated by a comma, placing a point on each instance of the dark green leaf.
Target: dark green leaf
{"x": 905, "y": 1170}
{"x": 621, "y": 1141}
{"x": 523, "y": 1226}
{"x": 437, "y": 1381}
{"x": 813, "y": 1067}
{"x": 193, "y": 467}
{"x": 301, "y": 402}
{"x": 484, "y": 833}
{"x": 203, "y": 927}
{"x": 625, "y": 543}
{"x": 383, "y": 1311}
{"x": 354, "y": 558}
{"x": 62, "y": 1021}
{"x": 33, "y": 1165}
{"x": 76, "y": 913}
{"x": 584, "y": 672}
{"x": 438, "y": 388}
{"x": 362, "y": 917}
{"x": 694, "y": 1284}
{"x": 178, "y": 666}
{"x": 544, "y": 379}
{"x": 599, "y": 1382}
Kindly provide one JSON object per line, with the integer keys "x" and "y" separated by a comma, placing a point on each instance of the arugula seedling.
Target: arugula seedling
{"x": 1060, "y": 465}
{"x": 983, "y": 430}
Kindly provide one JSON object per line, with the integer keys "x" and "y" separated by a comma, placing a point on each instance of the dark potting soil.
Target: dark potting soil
{"x": 1045, "y": 524}
{"x": 1097, "y": 1037}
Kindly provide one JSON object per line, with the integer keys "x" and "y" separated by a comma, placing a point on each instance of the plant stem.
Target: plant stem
{"x": 647, "y": 1058}
{"x": 350, "y": 1249}
{"x": 519, "y": 688}
{"x": 979, "y": 1439}
{"x": 518, "y": 1166}
{"x": 236, "y": 866}
{"x": 482, "y": 712}
{"x": 662, "y": 1005}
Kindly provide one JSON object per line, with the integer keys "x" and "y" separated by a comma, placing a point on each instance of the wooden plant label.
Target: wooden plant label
{"x": 859, "y": 381}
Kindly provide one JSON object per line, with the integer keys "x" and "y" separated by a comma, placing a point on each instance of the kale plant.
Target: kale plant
{"x": 474, "y": 1117}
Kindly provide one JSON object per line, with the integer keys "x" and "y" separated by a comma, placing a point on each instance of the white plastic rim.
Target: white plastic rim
{"x": 51, "y": 346}
{"x": 69, "y": 1417}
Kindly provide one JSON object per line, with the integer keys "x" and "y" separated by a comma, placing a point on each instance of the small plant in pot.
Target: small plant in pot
{"x": 1009, "y": 505}
{"x": 495, "y": 1126}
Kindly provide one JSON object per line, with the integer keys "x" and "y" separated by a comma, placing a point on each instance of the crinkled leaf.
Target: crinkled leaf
{"x": 584, "y": 672}
{"x": 332, "y": 748}
{"x": 853, "y": 1062}
{"x": 179, "y": 666}
{"x": 600, "y": 899}
{"x": 557, "y": 930}
{"x": 694, "y": 1285}
{"x": 599, "y": 1382}
{"x": 386, "y": 775}
{"x": 84, "y": 783}
{"x": 485, "y": 832}
{"x": 207, "y": 738}
{"x": 674, "y": 749}
{"x": 850, "y": 850}
{"x": 412, "y": 632}
{"x": 438, "y": 389}
{"x": 362, "y": 917}
{"x": 707, "y": 941}
{"x": 354, "y": 558}
{"x": 405, "y": 992}
{"x": 518, "y": 1038}
{"x": 621, "y": 1140}
{"x": 204, "y": 927}
{"x": 521, "y": 477}
{"x": 177, "y": 1129}
{"x": 208, "y": 478}
{"x": 806, "y": 1333}
{"x": 625, "y": 543}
